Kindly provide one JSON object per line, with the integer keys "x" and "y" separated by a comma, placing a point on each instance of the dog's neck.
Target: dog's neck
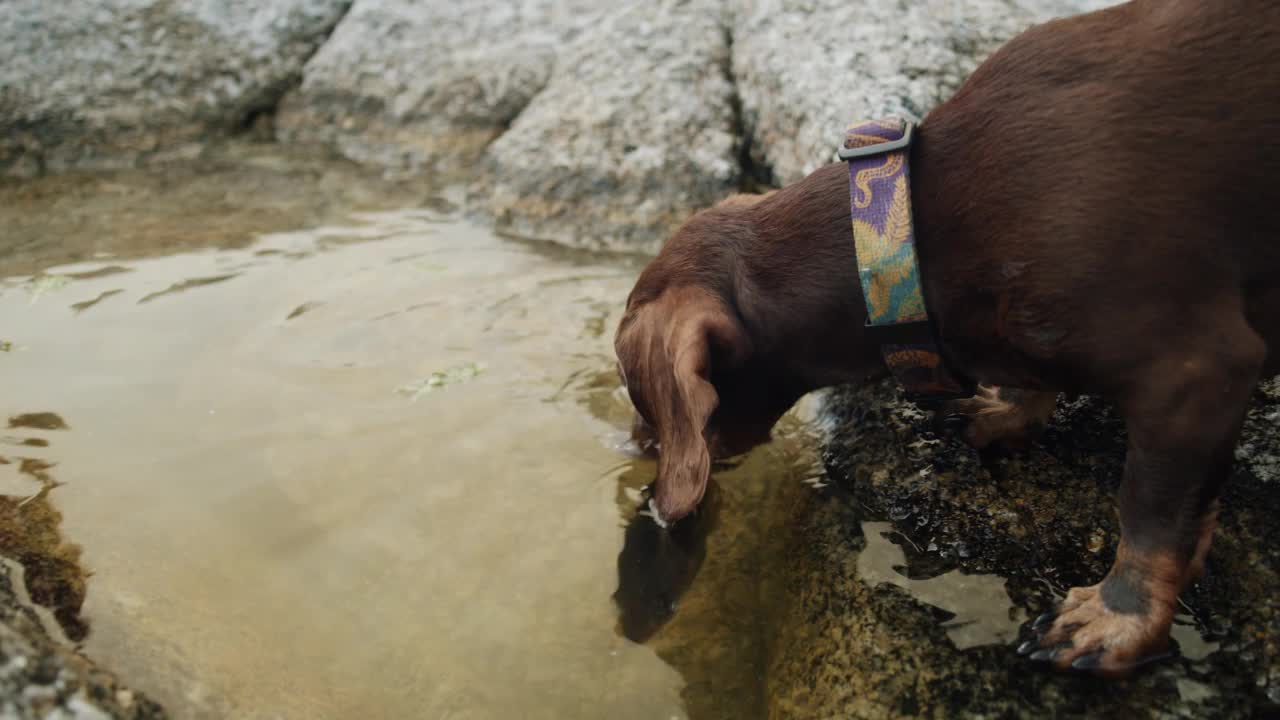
{"x": 798, "y": 287}
{"x": 797, "y": 283}
{"x": 786, "y": 263}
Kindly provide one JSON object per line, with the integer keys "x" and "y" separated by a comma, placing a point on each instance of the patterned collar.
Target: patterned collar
{"x": 878, "y": 154}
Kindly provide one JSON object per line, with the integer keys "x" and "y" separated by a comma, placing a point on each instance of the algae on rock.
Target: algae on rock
{"x": 1044, "y": 519}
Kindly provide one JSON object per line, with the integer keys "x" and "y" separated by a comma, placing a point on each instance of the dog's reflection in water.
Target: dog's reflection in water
{"x": 657, "y": 565}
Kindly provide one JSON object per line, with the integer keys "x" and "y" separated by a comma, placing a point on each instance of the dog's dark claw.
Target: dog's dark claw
{"x": 1043, "y": 621}
{"x": 1028, "y": 647}
{"x": 1091, "y": 661}
{"x": 1045, "y": 655}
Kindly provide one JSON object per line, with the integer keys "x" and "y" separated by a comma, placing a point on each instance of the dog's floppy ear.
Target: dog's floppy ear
{"x": 667, "y": 349}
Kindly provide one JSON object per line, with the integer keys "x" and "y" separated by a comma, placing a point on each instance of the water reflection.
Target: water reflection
{"x": 976, "y": 607}
{"x": 302, "y": 540}
{"x": 657, "y": 565}
{"x": 704, "y": 594}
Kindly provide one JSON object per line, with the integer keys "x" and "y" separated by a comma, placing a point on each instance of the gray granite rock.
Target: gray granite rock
{"x": 590, "y": 122}
{"x": 111, "y": 82}
{"x": 806, "y": 69}
{"x": 595, "y": 123}
{"x": 423, "y": 87}
{"x": 665, "y": 108}
{"x": 633, "y": 132}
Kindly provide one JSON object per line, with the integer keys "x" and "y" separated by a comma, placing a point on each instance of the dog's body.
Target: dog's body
{"x": 1097, "y": 210}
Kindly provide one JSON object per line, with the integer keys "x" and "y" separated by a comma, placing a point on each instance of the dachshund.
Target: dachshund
{"x": 1097, "y": 211}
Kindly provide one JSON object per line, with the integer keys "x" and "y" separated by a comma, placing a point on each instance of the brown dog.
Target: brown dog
{"x": 1097, "y": 211}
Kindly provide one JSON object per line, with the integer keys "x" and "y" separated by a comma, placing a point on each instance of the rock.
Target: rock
{"x": 590, "y": 122}
{"x": 608, "y": 124}
{"x": 109, "y": 83}
{"x": 425, "y": 87}
{"x": 43, "y": 679}
{"x": 42, "y": 589}
{"x": 883, "y": 578}
{"x": 807, "y": 69}
{"x": 634, "y": 131}
{"x": 596, "y": 123}
{"x": 665, "y": 109}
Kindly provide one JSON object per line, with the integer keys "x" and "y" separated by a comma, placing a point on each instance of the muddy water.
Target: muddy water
{"x": 331, "y": 451}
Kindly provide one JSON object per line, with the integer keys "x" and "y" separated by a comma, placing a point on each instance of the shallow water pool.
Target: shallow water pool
{"x": 331, "y": 451}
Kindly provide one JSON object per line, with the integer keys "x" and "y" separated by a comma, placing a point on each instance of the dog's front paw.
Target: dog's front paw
{"x": 1088, "y": 635}
{"x": 1000, "y": 416}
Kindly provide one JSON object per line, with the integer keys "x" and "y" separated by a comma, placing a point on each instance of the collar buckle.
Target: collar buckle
{"x": 908, "y": 134}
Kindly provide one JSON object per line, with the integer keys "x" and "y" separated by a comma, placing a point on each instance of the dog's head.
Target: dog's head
{"x": 702, "y": 386}
{"x": 685, "y": 359}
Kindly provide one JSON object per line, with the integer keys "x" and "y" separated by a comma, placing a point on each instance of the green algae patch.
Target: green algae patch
{"x": 302, "y": 309}
{"x": 440, "y": 379}
{"x": 38, "y": 421}
{"x": 187, "y": 285}
{"x": 41, "y": 285}
{"x": 86, "y": 304}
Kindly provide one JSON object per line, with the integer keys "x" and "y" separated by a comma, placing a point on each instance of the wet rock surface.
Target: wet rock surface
{"x": 42, "y": 590}
{"x": 1044, "y": 520}
{"x": 43, "y": 679}
{"x": 114, "y": 82}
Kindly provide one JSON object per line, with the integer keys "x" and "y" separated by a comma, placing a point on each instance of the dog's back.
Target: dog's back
{"x": 1141, "y": 141}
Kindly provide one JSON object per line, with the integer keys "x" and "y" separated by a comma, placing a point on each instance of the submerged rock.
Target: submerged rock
{"x": 860, "y": 639}
{"x": 112, "y": 82}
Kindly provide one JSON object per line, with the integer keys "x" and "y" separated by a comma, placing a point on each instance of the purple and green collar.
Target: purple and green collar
{"x": 878, "y": 153}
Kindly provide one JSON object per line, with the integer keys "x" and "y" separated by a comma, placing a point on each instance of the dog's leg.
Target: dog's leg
{"x": 1184, "y": 411}
{"x": 1003, "y": 415}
